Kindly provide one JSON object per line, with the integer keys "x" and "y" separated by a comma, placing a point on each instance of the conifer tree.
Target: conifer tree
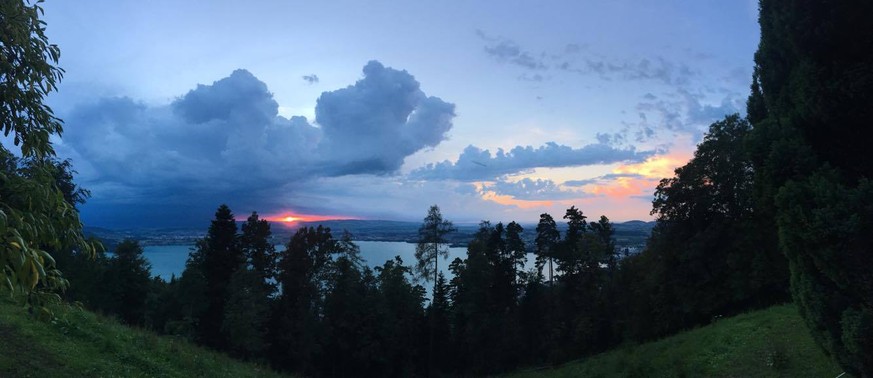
{"x": 220, "y": 256}
{"x": 814, "y": 70}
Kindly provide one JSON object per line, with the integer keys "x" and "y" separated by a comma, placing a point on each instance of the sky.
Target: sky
{"x": 492, "y": 110}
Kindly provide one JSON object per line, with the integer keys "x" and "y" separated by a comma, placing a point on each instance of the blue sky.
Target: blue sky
{"x": 493, "y": 110}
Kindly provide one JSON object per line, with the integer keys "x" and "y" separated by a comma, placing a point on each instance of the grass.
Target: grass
{"x": 769, "y": 343}
{"x": 79, "y": 344}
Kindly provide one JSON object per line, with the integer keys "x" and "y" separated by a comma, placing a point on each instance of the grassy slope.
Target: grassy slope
{"x": 767, "y": 343}
{"x": 80, "y": 343}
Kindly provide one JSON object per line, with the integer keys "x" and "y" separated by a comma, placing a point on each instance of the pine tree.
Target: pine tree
{"x": 547, "y": 242}
{"x": 259, "y": 250}
{"x": 220, "y": 256}
{"x": 127, "y": 280}
{"x": 432, "y": 245}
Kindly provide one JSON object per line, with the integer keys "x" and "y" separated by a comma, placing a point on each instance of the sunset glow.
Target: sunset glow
{"x": 623, "y": 187}
{"x": 290, "y": 219}
{"x": 657, "y": 167}
{"x": 512, "y": 201}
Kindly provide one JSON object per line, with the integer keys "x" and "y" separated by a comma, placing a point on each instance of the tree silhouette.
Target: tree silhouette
{"x": 547, "y": 241}
{"x": 221, "y": 256}
{"x": 431, "y": 246}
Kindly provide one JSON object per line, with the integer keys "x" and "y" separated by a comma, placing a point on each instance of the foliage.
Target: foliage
{"x": 432, "y": 243}
{"x": 34, "y": 215}
{"x": 259, "y": 249}
{"x": 711, "y": 253}
{"x": 127, "y": 281}
{"x": 219, "y": 256}
{"x": 246, "y": 314}
{"x": 29, "y": 73}
{"x": 35, "y": 218}
{"x": 546, "y": 242}
{"x": 814, "y": 74}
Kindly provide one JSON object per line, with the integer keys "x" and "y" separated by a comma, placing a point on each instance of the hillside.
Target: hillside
{"x": 767, "y": 343}
{"x": 79, "y": 344}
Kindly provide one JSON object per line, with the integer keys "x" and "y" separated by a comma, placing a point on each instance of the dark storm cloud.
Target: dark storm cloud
{"x": 310, "y": 79}
{"x": 372, "y": 126}
{"x": 532, "y": 190}
{"x": 226, "y": 142}
{"x": 475, "y": 164}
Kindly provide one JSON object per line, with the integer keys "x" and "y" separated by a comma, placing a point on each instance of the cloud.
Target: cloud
{"x": 654, "y": 69}
{"x": 602, "y": 179}
{"x": 575, "y": 58}
{"x": 532, "y": 190}
{"x": 310, "y": 79}
{"x": 507, "y": 51}
{"x": 372, "y": 126}
{"x": 226, "y": 142}
{"x": 475, "y": 164}
{"x": 684, "y": 111}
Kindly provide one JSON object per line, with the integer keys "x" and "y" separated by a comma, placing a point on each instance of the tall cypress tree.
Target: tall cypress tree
{"x": 815, "y": 73}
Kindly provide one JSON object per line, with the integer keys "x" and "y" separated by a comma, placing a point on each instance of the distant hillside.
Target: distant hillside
{"x": 631, "y": 234}
{"x": 81, "y": 344}
{"x": 768, "y": 343}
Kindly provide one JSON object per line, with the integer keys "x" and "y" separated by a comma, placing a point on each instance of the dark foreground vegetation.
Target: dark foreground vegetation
{"x": 774, "y": 205}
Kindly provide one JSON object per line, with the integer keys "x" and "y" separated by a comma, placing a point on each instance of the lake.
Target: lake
{"x": 167, "y": 260}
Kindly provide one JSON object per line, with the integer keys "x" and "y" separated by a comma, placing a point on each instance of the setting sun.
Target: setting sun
{"x": 291, "y": 219}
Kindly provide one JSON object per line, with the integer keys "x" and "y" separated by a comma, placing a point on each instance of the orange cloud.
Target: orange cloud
{"x": 659, "y": 166}
{"x": 652, "y": 170}
{"x": 624, "y": 197}
{"x": 511, "y": 201}
{"x": 624, "y": 187}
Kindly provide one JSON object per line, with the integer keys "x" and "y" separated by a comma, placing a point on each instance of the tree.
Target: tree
{"x": 516, "y": 251}
{"x": 29, "y": 73}
{"x": 431, "y": 246}
{"x": 219, "y": 256}
{"x": 246, "y": 313}
{"x": 303, "y": 273}
{"x": 814, "y": 67}
{"x": 34, "y": 216}
{"x": 258, "y": 249}
{"x": 439, "y": 316}
{"x": 576, "y": 224}
{"x": 127, "y": 281}
{"x": 546, "y": 241}
{"x": 713, "y": 250}
{"x": 400, "y": 306}
{"x": 432, "y": 243}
